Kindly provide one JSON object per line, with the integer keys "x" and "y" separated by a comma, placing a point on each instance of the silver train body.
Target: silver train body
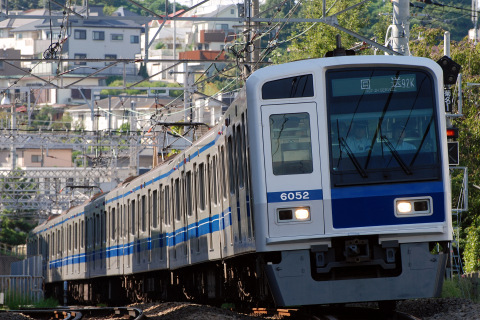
{"x": 281, "y": 187}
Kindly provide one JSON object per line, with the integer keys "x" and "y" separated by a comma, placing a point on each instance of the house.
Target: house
{"x": 94, "y": 38}
{"x": 166, "y": 40}
{"x": 33, "y": 155}
{"x": 213, "y": 35}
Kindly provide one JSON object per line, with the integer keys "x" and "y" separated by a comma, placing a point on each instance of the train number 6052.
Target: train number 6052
{"x": 299, "y": 195}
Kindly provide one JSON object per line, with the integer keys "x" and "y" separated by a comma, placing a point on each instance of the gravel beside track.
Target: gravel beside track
{"x": 425, "y": 309}
{"x": 441, "y": 309}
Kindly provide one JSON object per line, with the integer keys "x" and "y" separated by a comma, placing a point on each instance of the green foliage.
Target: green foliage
{"x": 461, "y": 287}
{"x": 159, "y": 45}
{"x": 451, "y": 288}
{"x": 15, "y": 301}
{"x": 145, "y": 84}
{"x": 46, "y": 303}
{"x": 14, "y": 231}
{"x": 321, "y": 38}
{"x": 471, "y": 254}
{"x": 125, "y": 127}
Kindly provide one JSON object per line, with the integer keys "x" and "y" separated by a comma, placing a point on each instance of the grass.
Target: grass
{"x": 461, "y": 287}
{"x": 15, "y": 301}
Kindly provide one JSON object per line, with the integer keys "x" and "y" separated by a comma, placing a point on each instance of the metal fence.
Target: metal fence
{"x": 20, "y": 289}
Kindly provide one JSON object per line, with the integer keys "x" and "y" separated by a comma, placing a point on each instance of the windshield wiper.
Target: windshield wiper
{"x": 352, "y": 157}
{"x": 395, "y": 154}
{"x": 427, "y": 130}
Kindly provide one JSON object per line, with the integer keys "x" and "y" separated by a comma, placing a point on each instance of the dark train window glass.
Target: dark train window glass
{"x": 75, "y": 236}
{"x": 291, "y": 143}
{"x": 113, "y": 227}
{"x": 82, "y": 230}
{"x": 223, "y": 172}
{"x": 176, "y": 207}
{"x": 154, "y": 208}
{"x": 167, "y": 205}
{"x": 382, "y": 120}
{"x": 132, "y": 217}
{"x": 231, "y": 165}
{"x": 201, "y": 186}
{"x": 188, "y": 192}
{"x": 293, "y": 87}
{"x": 240, "y": 162}
{"x": 144, "y": 213}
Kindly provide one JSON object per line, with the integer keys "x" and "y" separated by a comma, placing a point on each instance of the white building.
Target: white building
{"x": 79, "y": 39}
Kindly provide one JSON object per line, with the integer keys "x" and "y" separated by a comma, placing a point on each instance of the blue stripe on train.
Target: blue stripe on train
{"x": 202, "y": 228}
{"x": 366, "y": 206}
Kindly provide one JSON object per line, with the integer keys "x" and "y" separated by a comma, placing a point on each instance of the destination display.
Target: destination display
{"x": 374, "y": 85}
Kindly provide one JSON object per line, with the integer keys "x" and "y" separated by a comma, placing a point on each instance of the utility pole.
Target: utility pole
{"x": 255, "y": 55}
{"x": 134, "y": 156}
{"x": 475, "y": 20}
{"x": 400, "y": 26}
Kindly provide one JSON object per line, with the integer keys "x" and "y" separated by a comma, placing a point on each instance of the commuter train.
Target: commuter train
{"x": 326, "y": 181}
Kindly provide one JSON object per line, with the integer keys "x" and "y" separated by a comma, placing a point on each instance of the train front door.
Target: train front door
{"x": 292, "y": 170}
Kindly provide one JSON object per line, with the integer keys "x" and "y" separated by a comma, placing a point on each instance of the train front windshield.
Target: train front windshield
{"x": 382, "y": 124}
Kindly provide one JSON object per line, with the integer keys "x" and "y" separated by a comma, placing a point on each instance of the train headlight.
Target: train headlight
{"x": 404, "y": 207}
{"x": 293, "y": 214}
{"x": 419, "y": 206}
{"x": 302, "y": 214}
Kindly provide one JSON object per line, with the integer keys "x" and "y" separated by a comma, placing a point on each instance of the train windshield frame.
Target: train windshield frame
{"x": 383, "y": 126}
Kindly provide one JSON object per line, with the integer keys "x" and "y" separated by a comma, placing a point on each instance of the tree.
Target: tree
{"x": 14, "y": 231}
{"x": 313, "y": 41}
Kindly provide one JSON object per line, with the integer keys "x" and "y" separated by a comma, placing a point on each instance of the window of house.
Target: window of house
{"x": 134, "y": 39}
{"x": 36, "y": 158}
{"x": 98, "y": 35}
{"x": 110, "y": 57}
{"x": 80, "y": 56}
{"x": 80, "y": 34}
{"x": 117, "y": 37}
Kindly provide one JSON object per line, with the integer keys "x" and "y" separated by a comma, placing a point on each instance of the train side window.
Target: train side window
{"x": 103, "y": 225}
{"x": 167, "y": 205}
{"x": 214, "y": 180}
{"x": 98, "y": 227}
{"x": 231, "y": 166}
{"x": 239, "y": 157}
{"x": 144, "y": 213}
{"x": 112, "y": 220}
{"x": 69, "y": 237}
{"x": 188, "y": 193}
{"x": 291, "y": 143}
{"x": 201, "y": 186}
{"x": 52, "y": 248}
{"x": 132, "y": 217}
{"x": 224, "y": 172}
{"x": 82, "y": 235}
{"x": 59, "y": 242}
{"x": 176, "y": 205}
{"x": 292, "y": 87}
{"x": 155, "y": 208}
{"x": 75, "y": 236}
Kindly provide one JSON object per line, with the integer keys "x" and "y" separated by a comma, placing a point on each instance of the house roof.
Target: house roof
{"x": 22, "y": 25}
{"x": 121, "y": 104}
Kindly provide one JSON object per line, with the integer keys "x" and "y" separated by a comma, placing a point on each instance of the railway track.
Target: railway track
{"x": 78, "y": 313}
{"x": 334, "y": 313}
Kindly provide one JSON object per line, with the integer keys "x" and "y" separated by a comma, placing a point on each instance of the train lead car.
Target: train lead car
{"x": 326, "y": 182}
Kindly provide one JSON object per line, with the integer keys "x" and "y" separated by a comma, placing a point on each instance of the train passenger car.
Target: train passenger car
{"x": 351, "y": 183}
{"x": 325, "y": 182}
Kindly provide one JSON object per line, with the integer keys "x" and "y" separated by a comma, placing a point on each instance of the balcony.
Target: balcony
{"x": 202, "y": 55}
{"x": 208, "y": 36}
